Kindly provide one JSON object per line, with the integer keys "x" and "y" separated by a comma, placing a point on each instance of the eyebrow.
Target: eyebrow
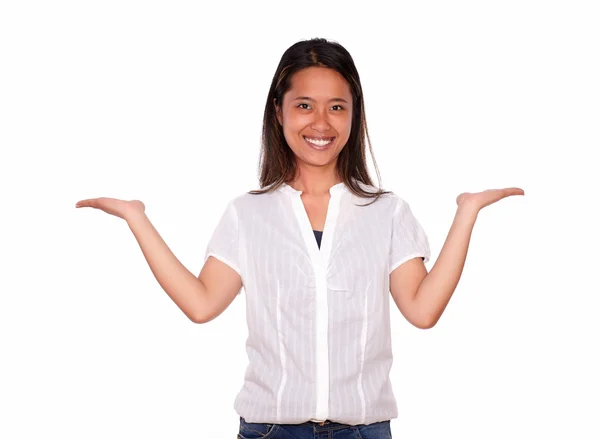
{"x": 311, "y": 99}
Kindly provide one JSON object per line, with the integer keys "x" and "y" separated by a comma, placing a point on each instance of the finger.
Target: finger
{"x": 514, "y": 191}
{"x": 86, "y": 203}
{"x": 505, "y": 192}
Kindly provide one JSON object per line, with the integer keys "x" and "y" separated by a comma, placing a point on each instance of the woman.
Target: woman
{"x": 317, "y": 250}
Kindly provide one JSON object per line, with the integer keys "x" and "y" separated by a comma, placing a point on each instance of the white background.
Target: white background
{"x": 163, "y": 102}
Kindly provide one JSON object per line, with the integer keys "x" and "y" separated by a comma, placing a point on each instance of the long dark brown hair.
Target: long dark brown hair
{"x": 277, "y": 161}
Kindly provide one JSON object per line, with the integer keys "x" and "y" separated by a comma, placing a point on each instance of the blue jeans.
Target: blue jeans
{"x": 312, "y": 430}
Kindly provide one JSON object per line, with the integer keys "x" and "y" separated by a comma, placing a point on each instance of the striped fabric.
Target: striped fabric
{"x": 319, "y": 343}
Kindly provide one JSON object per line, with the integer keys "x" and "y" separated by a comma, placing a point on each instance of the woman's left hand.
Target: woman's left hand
{"x": 477, "y": 201}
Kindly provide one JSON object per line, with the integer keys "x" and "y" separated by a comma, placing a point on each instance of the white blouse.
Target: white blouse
{"x": 319, "y": 340}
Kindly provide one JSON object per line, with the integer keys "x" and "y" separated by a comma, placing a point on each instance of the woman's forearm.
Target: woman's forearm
{"x": 437, "y": 287}
{"x": 179, "y": 283}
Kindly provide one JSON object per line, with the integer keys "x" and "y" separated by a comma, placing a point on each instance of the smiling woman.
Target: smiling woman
{"x": 315, "y": 119}
{"x": 320, "y": 299}
{"x": 314, "y": 128}
{"x": 317, "y": 265}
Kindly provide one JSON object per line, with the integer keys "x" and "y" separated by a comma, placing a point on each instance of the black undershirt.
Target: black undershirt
{"x": 318, "y": 235}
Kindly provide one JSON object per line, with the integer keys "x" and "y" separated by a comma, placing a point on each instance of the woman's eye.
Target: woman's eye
{"x": 301, "y": 106}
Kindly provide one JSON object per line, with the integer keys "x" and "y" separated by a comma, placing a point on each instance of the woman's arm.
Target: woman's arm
{"x": 200, "y": 298}
{"x": 179, "y": 283}
{"x": 436, "y": 289}
{"x": 421, "y": 296}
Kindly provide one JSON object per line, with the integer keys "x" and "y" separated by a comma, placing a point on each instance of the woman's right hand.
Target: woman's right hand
{"x": 121, "y": 208}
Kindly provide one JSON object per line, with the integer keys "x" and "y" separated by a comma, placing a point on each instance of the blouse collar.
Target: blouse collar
{"x": 335, "y": 189}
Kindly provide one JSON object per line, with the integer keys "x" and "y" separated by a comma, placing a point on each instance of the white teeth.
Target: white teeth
{"x": 318, "y": 142}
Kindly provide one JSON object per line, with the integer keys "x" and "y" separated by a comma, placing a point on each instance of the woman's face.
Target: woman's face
{"x": 316, "y": 115}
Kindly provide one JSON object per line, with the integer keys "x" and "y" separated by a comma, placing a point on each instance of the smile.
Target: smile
{"x": 319, "y": 144}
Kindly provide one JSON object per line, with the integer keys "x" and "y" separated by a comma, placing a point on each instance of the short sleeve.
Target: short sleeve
{"x": 224, "y": 242}
{"x": 408, "y": 237}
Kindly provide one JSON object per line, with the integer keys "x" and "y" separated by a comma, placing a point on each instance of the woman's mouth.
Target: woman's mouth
{"x": 319, "y": 144}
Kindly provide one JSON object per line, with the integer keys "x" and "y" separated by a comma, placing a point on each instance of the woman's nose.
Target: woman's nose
{"x": 320, "y": 122}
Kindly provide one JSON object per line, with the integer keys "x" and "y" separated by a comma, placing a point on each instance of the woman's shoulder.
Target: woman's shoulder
{"x": 249, "y": 200}
{"x": 386, "y": 198}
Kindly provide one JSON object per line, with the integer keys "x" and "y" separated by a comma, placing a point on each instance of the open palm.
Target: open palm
{"x": 113, "y": 206}
{"x": 479, "y": 200}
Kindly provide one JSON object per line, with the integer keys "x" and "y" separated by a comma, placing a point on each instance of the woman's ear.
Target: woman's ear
{"x": 277, "y": 111}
